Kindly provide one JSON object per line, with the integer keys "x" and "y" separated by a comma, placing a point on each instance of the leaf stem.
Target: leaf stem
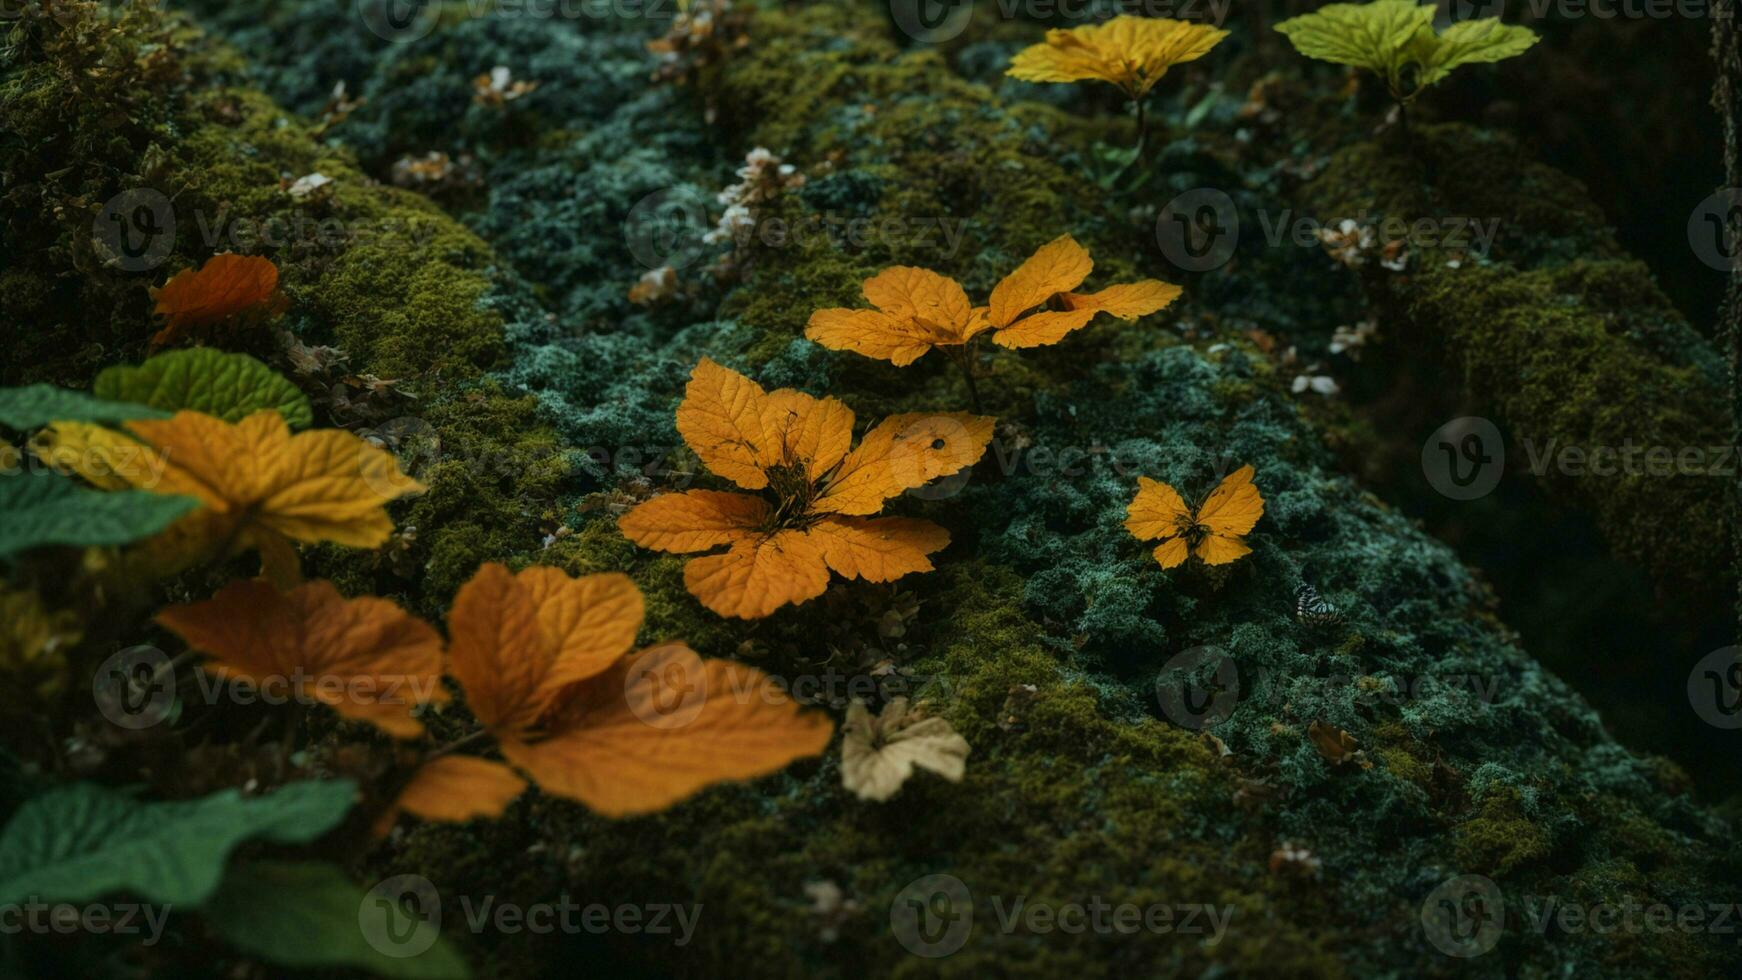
{"x": 965, "y": 360}
{"x": 458, "y": 743}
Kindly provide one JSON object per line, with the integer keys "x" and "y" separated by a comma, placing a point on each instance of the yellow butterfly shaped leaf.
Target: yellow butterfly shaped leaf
{"x": 1214, "y": 531}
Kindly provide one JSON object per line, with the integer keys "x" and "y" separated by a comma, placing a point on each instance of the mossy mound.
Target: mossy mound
{"x": 1565, "y": 340}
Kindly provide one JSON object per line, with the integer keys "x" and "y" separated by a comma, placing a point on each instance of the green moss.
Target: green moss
{"x": 1500, "y": 837}
{"x": 1566, "y": 342}
{"x": 1557, "y": 357}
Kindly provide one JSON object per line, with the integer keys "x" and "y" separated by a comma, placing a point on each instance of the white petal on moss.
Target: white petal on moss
{"x": 879, "y": 754}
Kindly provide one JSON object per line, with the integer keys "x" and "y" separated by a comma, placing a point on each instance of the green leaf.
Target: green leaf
{"x": 1388, "y": 36}
{"x": 230, "y": 386}
{"x": 37, "y": 405}
{"x": 1466, "y": 43}
{"x": 1375, "y": 36}
{"x": 84, "y": 841}
{"x": 311, "y": 916}
{"x": 39, "y": 508}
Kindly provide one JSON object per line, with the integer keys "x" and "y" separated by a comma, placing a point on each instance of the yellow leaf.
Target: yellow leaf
{"x": 757, "y": 577}
{"x": 367, "y": 658}
{"x": 1127, "y": 301}
{"x": 1042, "y": 329}
{"x": 872, "y": 333}
{"x": 1171, "y": 553}
{"x": 935, "y": 303}
{"x": 516, "y": 641}
{"x": 880, "y": 549}
{"x": 455, "y": 788}
{"x": 903, "y": 452}
{"x": 695, "y": 520}
{"x": 663, "y": 724}
{"x": 1214, "y": 532}
{"x": 1130, "y": 52}
{"x": 323, "y": 485}
{"x": 721, "y": 419}
{"x": 107, "y": 459}
{"x": 805, "y": 432}
{"x": 781, "y": 550}
{"x": 1057, "y": 267}
{"x": 1157, "y": 510}
{"x": 588, "y": 621}
{"x": 917, "y": 309}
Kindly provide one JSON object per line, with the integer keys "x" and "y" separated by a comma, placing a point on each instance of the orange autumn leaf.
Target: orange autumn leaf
{"x": 798, "y": 449}
{"x": 1214, "y": 531}
{"x": 1128, "y": 51}
{"x": 544, "y": 661}
{"x": 260, "y": 487}
{"x": 918, "y": 310}
{"x": 225, "y": 286}
{"x": 454, "y": 788}
{"x": 366, "y": 658}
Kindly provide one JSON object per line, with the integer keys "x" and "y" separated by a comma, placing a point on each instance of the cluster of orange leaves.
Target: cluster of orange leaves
{"x": 1214, "y": 531}
{"x": 1128, "y": 51}
{"x": 259, "y": 487}
{"x": 544, "y": 660}
{"x": 817, "y": 493}
{"x": 918, "y": 310}
{"x": 225, "y": 287}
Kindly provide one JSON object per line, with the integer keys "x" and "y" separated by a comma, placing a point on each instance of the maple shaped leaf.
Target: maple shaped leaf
{"x": 820, "y": 493}
{"x": 878, "y": 754}
{"x": 259, "y": 486}
{"x": 544, "y": 660}
{"x": 1130, "y": 52}
{"x": 225, "y": 286}
{"x": 918, "y": 310}
{"x": 1214, "y": 531}
{"x": 366, "y": 658}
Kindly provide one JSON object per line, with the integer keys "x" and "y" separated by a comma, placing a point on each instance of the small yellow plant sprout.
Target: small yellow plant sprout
{"x": 1130, "y": 52}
